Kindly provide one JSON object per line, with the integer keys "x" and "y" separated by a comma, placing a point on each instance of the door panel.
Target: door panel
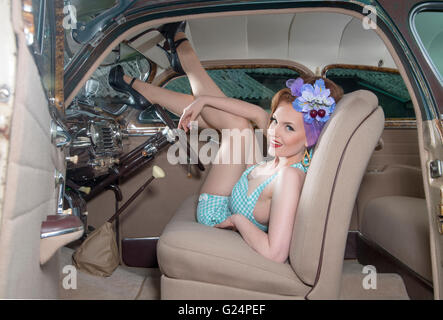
{"x": 30, "y": 192}
{"x": 394, "y": 169}
{"x": 398, "y": 147}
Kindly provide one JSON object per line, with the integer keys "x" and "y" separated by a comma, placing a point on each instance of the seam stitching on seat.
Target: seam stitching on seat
{"x": 222, "y": 285}
{"x": 317, "y": 277}
{"x": 232, "y": 260}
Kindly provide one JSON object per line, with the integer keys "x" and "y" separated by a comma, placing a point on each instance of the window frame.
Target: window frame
{"x": 390, "y": 123}
{"x": 417, "y": 10}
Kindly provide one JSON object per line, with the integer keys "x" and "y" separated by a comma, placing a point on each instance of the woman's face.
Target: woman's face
{"x": 286, "y": 132}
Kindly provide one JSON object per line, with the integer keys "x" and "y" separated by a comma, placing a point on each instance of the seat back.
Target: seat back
{"x": 330, "y": 190}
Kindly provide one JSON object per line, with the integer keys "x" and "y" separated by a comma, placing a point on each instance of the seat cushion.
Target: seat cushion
{"x": 188, "y": 250}
{"x": 400, "y": 226}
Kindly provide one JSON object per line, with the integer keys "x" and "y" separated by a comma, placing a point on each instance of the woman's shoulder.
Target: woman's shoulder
{"x": 291, "y": 176}
{"x": 289, "y": 182}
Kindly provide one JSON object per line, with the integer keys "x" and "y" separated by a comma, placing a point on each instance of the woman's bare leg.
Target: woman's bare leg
{"x": 222, "y": 177}
{"x": 202, "y": 84}
{"x": 171, "y": 100}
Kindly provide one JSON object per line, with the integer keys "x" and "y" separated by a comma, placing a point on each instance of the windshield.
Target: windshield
{"x": 97, "y": 93}
{"x": 78, "y": 13}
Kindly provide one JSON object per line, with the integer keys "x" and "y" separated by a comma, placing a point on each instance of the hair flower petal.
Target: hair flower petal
{"x": 295, "y": 86}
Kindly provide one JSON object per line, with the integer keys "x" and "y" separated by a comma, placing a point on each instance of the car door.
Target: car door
{"x": 428, "y": 77}
{"x": 29, "y": 160}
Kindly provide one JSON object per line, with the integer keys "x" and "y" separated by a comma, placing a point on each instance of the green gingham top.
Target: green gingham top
{"x": 240, "y": 202}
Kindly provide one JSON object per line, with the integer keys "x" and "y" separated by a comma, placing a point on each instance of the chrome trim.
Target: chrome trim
{"x": 436, "y": 168}
{"x": 61, "y": 232}
{"x": 401, "y": 124}
{"x": 5, "y": 93}
{"x": 150, "y": 150}
{"x": 144, "y": 131}
{"x": 423, "y": 8}
{"x": 59, "y": 136}
{"x": 40, "y": 28}
{"x": 142, "y": 238}
{"x": 60, "y": 182}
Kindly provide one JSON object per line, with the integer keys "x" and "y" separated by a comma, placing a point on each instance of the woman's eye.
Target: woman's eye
{"x": 290, "y": 128}
{"x": 273, "y": 119}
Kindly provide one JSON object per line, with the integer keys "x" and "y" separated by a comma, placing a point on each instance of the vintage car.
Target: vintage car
{"x": 74, "y": 151}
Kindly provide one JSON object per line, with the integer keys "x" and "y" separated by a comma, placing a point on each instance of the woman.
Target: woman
{"x": 265, "y": 216}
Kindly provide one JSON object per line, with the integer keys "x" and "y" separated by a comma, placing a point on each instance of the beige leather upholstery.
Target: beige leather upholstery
{"x": 220, "y": 257}
{"x": 188, "y": 251}
{"x": 400, "y": 226}
{"x": 391, "y": 180}
{"x": 333, "y": 180}
{"x": 30, "y": 193}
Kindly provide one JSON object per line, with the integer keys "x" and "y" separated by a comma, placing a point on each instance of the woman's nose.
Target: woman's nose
{"x": 277, "y": 130}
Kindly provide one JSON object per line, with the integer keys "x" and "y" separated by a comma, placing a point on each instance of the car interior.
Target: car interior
{"x": 362, "y": 197}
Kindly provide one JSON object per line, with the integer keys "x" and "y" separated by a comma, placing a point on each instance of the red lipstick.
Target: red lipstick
{"x": 275, "y": 144}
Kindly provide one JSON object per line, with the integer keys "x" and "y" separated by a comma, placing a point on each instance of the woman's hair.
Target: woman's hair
{"x": 312, "y": 131}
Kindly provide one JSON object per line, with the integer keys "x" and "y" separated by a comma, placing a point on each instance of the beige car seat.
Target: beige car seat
{"x": 201, "y": 262}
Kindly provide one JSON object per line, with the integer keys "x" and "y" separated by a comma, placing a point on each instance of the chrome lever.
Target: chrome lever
{"x": 60, "y": 182}
{"x": 59, "y": 136}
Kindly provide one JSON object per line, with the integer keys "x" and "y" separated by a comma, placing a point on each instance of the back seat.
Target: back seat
{"x": 399, "y": 225}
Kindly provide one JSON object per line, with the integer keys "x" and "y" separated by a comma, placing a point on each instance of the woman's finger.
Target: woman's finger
{"x": 180, "y": 123}
{"x": 183, "y": 121}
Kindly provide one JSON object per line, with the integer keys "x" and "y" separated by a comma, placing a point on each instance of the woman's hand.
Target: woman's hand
{"x": 227, "y": 224}
{"x": 190, "y": 113}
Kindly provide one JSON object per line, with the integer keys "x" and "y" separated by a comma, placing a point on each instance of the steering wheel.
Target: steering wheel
{"x": 166, "y": 119}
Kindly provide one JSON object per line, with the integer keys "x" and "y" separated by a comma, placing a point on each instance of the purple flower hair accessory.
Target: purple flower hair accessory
{"x": 295, "y": 85}
{"x": 315, "y": 103}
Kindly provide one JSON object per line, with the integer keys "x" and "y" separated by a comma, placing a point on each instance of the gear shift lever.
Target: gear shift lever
{"x": 161, "y": 113}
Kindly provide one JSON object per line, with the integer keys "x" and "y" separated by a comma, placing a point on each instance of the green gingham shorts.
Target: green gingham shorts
{"x": 212, "y": 209}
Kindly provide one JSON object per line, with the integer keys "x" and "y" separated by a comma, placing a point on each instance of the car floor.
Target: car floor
{"x": 388, "y": 286}
{"x": 127, "y": 283}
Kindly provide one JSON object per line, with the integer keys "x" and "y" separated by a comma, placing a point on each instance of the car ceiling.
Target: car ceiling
{"x": 314, "y": 39}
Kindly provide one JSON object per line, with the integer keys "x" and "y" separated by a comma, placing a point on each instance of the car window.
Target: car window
{"x": 41, "y": 40}
{"x": 80, "y": 12}
{"x": 97, "y": 93}
{"x": 254, "y": 85}
{"x": 429, "y": 34}
{"x": 389, "y": 88}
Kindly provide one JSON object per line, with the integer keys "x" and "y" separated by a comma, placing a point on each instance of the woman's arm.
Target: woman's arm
{"x": 237, "y": 107}
{"x": 275, "y": 244}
